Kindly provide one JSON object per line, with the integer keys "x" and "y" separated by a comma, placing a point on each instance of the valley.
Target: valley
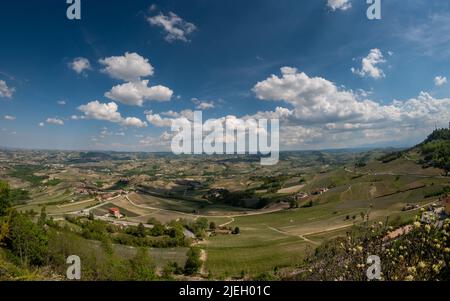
{"x": 257, "y": 219}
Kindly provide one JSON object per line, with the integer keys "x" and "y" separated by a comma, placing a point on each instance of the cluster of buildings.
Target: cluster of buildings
{"x": 437, "y": 212}
{"x": 89, "y": 190}
{"x": 319, "y": 191}
{"x": 301, "y": 196}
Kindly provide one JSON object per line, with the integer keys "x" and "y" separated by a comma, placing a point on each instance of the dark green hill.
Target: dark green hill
{"x": 436, "y": 150}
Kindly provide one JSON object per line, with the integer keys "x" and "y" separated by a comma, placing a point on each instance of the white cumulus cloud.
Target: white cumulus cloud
{"x": 339, "y": 4}
{"x": 129, "y": 67}
{"x": 55, "y": 121}
{"x": 323, "y": 115}
{"x": 133, "y": 122}
{"x": 108, "y": 112}
{"x": 175, "y": 28}
{"x": 440, "y": 80}
{"x": 80, "y": 64}
{"x": 370, "y": 65}
{"x": 135, "y": 93}
{"x": 203, "y": 104}
{"x": 9, "y": 117}
{"x": 6, "y": 91}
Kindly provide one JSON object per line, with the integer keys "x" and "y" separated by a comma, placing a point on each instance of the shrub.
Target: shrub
{"x": 421, "y": 254}
{"x": 193, "y": 263}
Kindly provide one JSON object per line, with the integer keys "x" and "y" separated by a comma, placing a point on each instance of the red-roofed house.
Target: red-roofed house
{"x": 115, "y": 212}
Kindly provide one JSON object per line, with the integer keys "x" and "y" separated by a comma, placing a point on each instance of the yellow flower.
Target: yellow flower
{"x": 427, "y": 228}
{"x": 447, "y": 250}
{"x": 412, "y": 270}
{"x": 359, "y": 248}
{"x": 436, "y": 268}
{"x": 422, "y": 265}
{"x": 409, "y": 278}
{"x": 417, "y": 224}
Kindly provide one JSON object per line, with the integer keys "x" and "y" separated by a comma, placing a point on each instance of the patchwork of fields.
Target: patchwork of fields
{"x": 274, "y": 236}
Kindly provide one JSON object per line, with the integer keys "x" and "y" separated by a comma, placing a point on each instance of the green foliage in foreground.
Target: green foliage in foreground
{"x": 5, "y": 201}
{"x": 27, "y": 246}
{"x": 157, "y": 237}
{"x": 9, "y": 197}
{"x": 421, "y": 254}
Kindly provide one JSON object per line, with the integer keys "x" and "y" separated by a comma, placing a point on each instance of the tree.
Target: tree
{"x": 5, "y": 202}
{"x": 141, "y": 230}
{"x": 152, "y": 221}
{"x": 158, "y": 229}
{"x": 193, "y": 262}
{"x": 202, "y": 223}
{"x": 43, "y": 217}
{"x": 199, "y": 227}
{"x": 142, "y": 266}
{"x": 212, "y": 226}
{"x": 293, "y": 204}
{"x": 27, "y": 240}
{"x": 176, "y": 231}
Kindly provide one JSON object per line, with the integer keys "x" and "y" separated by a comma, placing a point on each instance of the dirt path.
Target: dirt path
{"x": 348, "y": 189}
{"x": 203, "y": 258}
{"x": 303, "y": 236}
{"x": 395, "y": 174}
{"x": 227, "y": 223}
{"x": 290, "y": 234}
{"x": 75, "y": 204}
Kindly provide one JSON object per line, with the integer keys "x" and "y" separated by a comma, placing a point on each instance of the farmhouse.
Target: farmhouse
{"x": 115, "y": 212}
{"x": 301, "y": 196}
{"x": 319, "y": 191}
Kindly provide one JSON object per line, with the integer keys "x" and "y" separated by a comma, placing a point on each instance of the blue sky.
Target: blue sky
{"x": 220, "y": 56}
